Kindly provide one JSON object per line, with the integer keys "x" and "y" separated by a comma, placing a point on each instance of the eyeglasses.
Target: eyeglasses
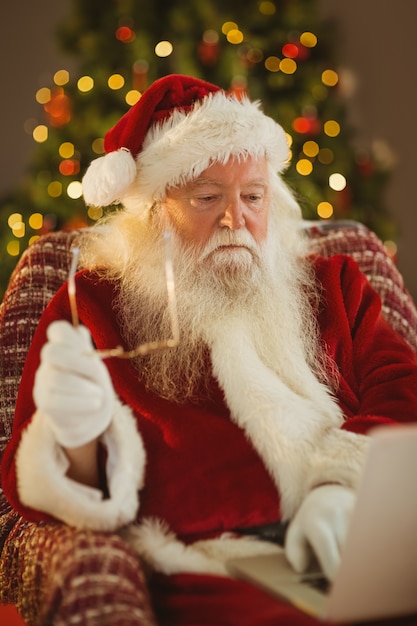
{"x": 150, "y": 346}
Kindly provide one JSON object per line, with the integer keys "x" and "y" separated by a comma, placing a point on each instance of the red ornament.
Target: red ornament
{"x": 290, "y": 50}
{"x": 307, "y": 125}
{"x": 58, "y": 109}
{"x": 125, "y": 34}
{"x": 69, "y": 167}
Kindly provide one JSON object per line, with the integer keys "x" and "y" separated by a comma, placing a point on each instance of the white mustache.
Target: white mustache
{"x": 220, "y": 239}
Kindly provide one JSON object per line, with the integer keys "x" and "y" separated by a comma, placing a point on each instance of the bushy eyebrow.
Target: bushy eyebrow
{"x": 199, "y": 182}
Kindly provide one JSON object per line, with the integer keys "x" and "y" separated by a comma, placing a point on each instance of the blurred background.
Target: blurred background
{"x": 339, "y": 76}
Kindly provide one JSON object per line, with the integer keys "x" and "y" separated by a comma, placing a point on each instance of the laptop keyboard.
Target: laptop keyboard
{"x": 317, "y": 581}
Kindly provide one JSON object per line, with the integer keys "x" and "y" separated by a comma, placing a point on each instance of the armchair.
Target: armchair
{"x": 40, "y": 272}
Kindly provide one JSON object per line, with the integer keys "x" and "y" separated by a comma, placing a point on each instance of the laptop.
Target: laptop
{"x": 377, "y": 576}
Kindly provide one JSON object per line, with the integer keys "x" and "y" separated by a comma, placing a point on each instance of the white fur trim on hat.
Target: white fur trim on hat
{"x": 219, "y": 127}
{"x": 43, "y": 484}
{"x": 108, "y": 177}
{"x": 178, "y": 149}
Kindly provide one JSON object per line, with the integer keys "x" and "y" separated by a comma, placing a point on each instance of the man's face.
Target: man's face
{"x": 233, "y": 197}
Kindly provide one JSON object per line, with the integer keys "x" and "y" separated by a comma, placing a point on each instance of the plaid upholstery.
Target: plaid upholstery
{"x": 71, "y": 576}
{"x": 41, "y": 270}
{"x": 68, "y": 572}
{"x": 363, "y": 245}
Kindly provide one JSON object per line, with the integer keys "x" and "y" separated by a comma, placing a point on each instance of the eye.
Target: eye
{"x": 254, "y": 200}
{"x": 204, "y": 201}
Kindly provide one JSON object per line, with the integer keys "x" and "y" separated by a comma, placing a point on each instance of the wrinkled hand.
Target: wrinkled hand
{"x": 319, "y": 527}
{"x": 73, "y": 386}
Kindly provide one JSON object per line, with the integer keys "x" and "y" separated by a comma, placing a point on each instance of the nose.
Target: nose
{"x": 233, "y": 217}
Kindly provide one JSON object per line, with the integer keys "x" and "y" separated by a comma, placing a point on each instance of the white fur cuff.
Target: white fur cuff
{"x": 43, "y": 484}
{"x": 339, "y": 458}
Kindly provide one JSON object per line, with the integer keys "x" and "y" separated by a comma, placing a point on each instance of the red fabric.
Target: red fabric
{"x": 179, "y": 599}
{"x": 157, "y": 103}
{"x": 9, "y": 616}
{"x": 202, "y": 475}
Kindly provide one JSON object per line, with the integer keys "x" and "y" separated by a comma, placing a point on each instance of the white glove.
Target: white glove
{"x": 73, "y": 386}
{"x": 319, "y": 527}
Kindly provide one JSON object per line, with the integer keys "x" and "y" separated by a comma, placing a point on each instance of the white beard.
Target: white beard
{"x": 247, "y": 316}
{"x": 272, "y": 294}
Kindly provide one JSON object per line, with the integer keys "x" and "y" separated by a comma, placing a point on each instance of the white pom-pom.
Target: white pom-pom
{"x": 108, "y": 177}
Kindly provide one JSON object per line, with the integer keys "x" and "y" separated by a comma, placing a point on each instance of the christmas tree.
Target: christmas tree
{"x": 276, "y": 51}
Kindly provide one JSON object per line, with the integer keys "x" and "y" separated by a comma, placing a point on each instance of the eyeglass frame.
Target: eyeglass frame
{"x": 147, "y": 347}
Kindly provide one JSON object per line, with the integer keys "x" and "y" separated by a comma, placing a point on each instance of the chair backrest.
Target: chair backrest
{"x": 44, "y": 267}
{"x": 41, "y": 270}
{"x": 356, "y": 240}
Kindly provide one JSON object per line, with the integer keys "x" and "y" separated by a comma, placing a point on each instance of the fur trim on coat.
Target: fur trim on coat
{"x": 43, "y": 484}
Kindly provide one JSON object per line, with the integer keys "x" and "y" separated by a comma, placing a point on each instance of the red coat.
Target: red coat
{"x": 202, "y": 474}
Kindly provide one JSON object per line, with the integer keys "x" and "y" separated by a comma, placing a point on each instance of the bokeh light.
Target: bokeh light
{"x": 55, "y": 189}
{"x": 325, "y": 210}
{"x": 98, "y": 145}
{"x": 132, "y": 97}
{"x": 13, "y": 248}
{"x": 311, "y": 148}
{"x": 337, "y": 182}
{"x": 288, "y": 66}
{"x": 272, "y": 64}
{"x": 94, "y": 213}
{"x": 234, "y": 36}
{"x": 40, "y": 133}
{"x": 255, "y": 55}
{"x": 13, "y": 219}
{"x": 229, "y": 26}
{"x": 36, "y": 221}
{"x": 125, "y": 34}
{"x": 19, "y": 229}
{"x": 61, "y": 77}
{"x": 116, "y": 81}
{"x": 326, "y": 156}
{"x": 66, "y": 150}
{"x": 267, "y": 8}
{"x": 330, "y": 78}
{"x": 309, "y": 40}
{"x": 331, "y": 128}
{"x": 164, "y": 49}
{"x": 74, "y": 190}
{"x": 69, "y": 167}
{"x": 43, "y": 95}
{"x": 290, "y": 50}
{"x": 304, "y": 167}
{"x": 85, "y": 84}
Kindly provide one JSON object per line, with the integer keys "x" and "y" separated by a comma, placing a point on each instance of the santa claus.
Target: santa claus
{"x": 257, "y": 414}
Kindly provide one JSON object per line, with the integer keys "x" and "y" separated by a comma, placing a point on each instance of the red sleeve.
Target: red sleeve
{"x": 378, "y": 369}
{"x": 92, "y": 311}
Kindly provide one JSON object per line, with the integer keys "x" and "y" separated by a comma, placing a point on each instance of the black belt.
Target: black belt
{"x": 274, "y": 532}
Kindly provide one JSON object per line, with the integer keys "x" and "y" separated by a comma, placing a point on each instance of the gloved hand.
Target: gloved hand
{"x": 319, "y": 527}
{"x": 73, "y": 386}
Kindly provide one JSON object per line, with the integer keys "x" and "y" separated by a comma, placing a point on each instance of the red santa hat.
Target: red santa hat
{"x": 178, "y": 128}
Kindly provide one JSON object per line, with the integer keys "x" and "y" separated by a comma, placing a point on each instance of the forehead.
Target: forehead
{"x": 241, "y": 171}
